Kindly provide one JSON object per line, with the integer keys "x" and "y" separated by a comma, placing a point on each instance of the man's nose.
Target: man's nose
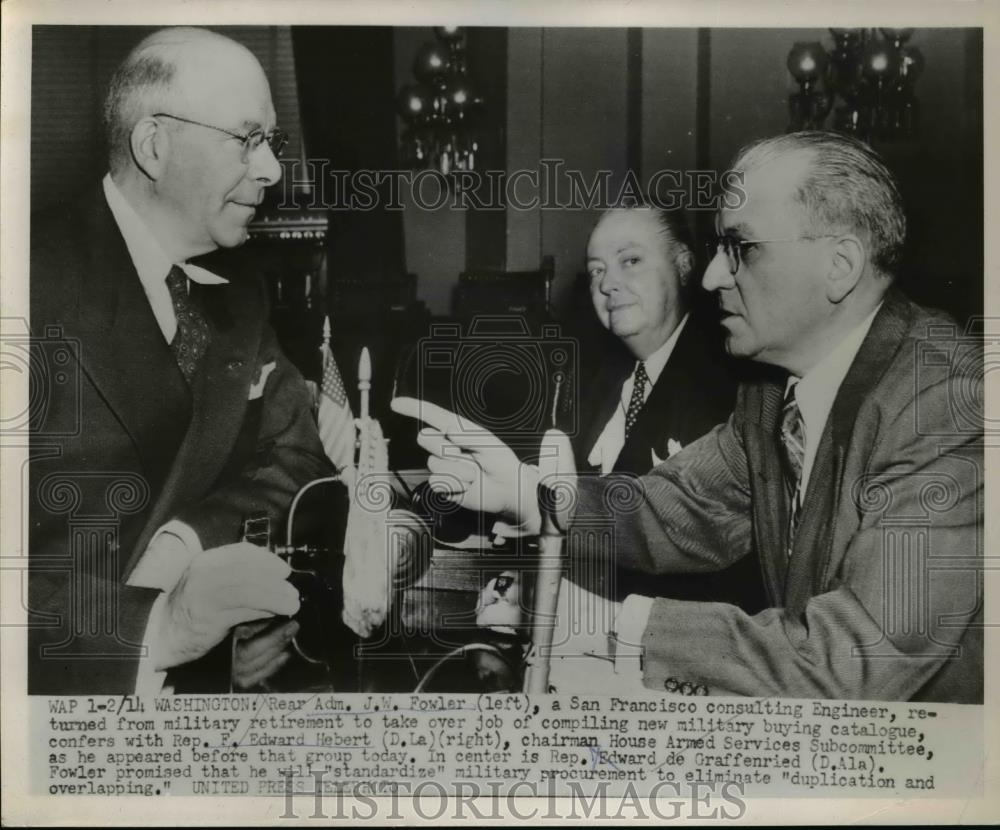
{"x": 264, "y": 165}
{"x": 717, "y": 274}
{"x": 610, "y": 280}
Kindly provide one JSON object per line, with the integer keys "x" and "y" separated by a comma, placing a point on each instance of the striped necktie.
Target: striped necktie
{"x": 793, "y": 441}
{"x": 192, "y": 336}
{"x": 638, "y": 397}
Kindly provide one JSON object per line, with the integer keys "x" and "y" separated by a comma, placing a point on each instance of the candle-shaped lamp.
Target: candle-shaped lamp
{"x": 364, "y": 380}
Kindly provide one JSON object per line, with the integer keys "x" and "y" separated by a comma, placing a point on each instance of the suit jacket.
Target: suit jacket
{"x": 881, "y": 597}
{"x": 120, "y": 444}
{"x": 694, "y": 392}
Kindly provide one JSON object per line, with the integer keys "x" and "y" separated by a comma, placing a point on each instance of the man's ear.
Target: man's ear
{"x": 148, "y": 143}
{"x": 847, "y": 265}
{"x": 685, "y": 266}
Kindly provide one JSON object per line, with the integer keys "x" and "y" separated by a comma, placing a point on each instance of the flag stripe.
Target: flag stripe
{"x": 335, "y": 420}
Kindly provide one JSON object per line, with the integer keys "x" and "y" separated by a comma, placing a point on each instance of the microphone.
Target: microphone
{"x": 556, "y": 497}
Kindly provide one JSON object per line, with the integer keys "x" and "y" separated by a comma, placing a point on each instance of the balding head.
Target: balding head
{"x": 164, "y": 72}
{"x": 843, "y": 185}
{"x": 189, "y": 113}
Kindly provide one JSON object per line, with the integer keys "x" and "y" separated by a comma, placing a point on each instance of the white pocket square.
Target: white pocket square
{"x": 257, "y": 389}
{"x": 673, "y": 447}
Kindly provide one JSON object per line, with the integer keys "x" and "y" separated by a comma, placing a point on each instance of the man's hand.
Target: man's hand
{"x": 261, "y": 648}
{"x": 220, "y": 589}
{"x": 473, "y": 468}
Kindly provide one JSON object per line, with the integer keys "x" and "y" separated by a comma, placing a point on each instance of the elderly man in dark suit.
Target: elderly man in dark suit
{"x": 857, "y": 476}
{"x": 670, "y": 384}
{"x": 184, "y": 417}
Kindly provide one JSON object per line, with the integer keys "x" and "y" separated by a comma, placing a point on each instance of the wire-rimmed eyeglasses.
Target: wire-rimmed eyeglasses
{"x": 733, "y": 247}
{"x": 276, "y": 139}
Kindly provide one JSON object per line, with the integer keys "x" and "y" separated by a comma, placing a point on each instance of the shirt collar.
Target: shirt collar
{"x": 151, "y": 262}
{"x": 817, "y": 389}
{"x": 658, "y": 359}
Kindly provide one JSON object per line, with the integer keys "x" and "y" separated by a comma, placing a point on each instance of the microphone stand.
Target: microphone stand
{"x": 550, "y": 561}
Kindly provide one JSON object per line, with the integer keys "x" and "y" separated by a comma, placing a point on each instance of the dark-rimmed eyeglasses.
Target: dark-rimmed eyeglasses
{"x": 276, "y": 139}
{"x": 733, "y": 247}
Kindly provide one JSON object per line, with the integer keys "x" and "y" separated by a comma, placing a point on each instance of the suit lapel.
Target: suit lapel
{"x": 811, "y": 552}
{"x": 600, "y": 402}
{"x": 889, "y": 328}
{"x": 810, "y": 562}
{"x": 686, "y": 359}
{"x": 770, "y": 504}
{"x": 660, "y": 415}
{"x": 219, "y": 398}
{"x": 123, "y": 350}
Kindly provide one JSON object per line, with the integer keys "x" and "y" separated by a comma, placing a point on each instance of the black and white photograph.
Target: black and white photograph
{"x": 497, "y": 407}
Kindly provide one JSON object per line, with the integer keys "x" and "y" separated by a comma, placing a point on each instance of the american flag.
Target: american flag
{"x": 334, "y": 418}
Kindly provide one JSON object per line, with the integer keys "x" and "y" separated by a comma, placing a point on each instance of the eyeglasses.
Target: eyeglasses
{"x": 733, "y": 247}
{"x": 276, "y": 139}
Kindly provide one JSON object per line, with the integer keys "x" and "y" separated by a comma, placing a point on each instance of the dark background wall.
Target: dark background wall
{"x": 595, "y": 98}
{"x": 700, "y": 95}
{"x": 703, "y": 94}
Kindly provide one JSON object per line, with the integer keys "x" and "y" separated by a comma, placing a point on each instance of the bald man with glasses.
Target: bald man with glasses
{"x": 185, "y": 417}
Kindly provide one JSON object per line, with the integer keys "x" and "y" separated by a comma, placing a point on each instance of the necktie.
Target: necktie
{"x": 638, "y": 397}
{"x": 793, "y": 440}
{"x": 191, "y": 339}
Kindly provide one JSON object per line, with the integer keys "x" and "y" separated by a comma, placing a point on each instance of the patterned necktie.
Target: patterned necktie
{"x": 191, "y": 339}
{"x": 793, "y": 440}
{"x": 638, "y": 397}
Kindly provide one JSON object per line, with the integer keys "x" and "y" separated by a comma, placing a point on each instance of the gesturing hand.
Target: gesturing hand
{"x": 473, "y": 468}
{"x": 221, "y": 588}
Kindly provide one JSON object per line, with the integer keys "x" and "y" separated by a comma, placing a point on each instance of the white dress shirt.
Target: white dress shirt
{"x": 174, "y": 545}
{"x": 610, "y": 442}
{"x": 816, "y": 390}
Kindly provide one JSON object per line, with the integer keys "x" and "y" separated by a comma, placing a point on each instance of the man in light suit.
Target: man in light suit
{"x": 669, "y": 385}
{"x": 183, "y": 417}
{"x": 857, "y": 478}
